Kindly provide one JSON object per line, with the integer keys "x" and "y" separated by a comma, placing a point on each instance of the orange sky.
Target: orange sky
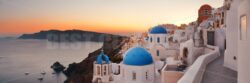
{"x": 30, "y": 26}
{"x": 108, "y": 16}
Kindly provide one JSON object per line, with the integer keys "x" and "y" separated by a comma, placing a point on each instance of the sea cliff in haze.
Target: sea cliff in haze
{"x": 68, "y": 36}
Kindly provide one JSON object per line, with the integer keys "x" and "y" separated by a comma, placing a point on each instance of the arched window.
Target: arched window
{"x": 151, "y": 39}
{"x": 222, "y": 21}
{"x": 119, "y": 69}
{"x": 134, "y": 76}
{"x": 146, "y": 75}
{"x": 157, "y": 52}
{"x": 105, "y": 70}
{"x": 158, "y": 40}
{"x": 223, "y": 14}
{"x": 185, "y": 53}
{"x": 243, "y": 27}
{"x": 185, "y": 56}
{"x": 98, "y": 70}
{"x": 206, "y": 12}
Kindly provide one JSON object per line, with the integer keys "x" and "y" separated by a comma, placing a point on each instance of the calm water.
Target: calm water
{"x": 36, "y": 56}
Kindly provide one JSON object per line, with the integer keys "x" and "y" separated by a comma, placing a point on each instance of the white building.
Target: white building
{"x": 232, "y": 36}
{"x": 138, "y": 66}
{"x": 158, "y": 36}
{"x": 179, "y": 36}
{"x": 189, "y": 30}
{"x": 238, "y": 40}
{"x": 159, "y": 44}
{"x": 102, "y": 69}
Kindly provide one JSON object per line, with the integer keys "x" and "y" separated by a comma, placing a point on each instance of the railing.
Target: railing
{"x": 195, "y": 72}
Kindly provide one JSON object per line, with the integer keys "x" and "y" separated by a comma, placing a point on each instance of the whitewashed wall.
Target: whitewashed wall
{"x": 195, "y": 72}
{"x": 193, "y": 52}
{"x": 244, "y": 45}
{"x": 231, "y": 36}
{"x": 219, "y": 38}
{"x": 127, "y": 73}
{"x": 162, "y": 40}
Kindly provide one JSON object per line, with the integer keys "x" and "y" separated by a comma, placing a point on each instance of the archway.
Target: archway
{"x": 185, "y": 52}
{"x": 185, "y": 56}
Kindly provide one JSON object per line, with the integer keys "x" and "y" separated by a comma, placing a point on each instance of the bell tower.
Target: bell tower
{"x": 102, "y": 69}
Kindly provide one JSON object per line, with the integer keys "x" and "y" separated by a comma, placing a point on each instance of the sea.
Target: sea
{"x": 24, "y": 61}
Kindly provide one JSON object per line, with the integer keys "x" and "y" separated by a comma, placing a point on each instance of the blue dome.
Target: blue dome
{"x": 158, "y": 30}
{"x": 102, "y": 58}
{"x": 137, "y": 56}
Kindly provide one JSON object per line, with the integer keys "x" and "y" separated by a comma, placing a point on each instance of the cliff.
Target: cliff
{"x": 83, "y": 72}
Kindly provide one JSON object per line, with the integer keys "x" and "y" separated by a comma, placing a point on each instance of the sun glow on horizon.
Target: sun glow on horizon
{"x": 107, "y": 16}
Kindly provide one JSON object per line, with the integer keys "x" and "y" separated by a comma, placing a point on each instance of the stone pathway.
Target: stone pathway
{"x": 217, "y": 73}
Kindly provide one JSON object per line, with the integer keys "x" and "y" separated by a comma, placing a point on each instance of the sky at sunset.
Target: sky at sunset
{"x": 109, "y": 16}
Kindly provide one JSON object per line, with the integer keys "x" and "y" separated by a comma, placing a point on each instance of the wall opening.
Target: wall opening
{"x": 185, "y": 56}
{"x": 151, "y": 39}
{"x": 157, "y": 52}
{"x": 243, "y": 27}
{"x": 158, "y": 40}
{"x": 134, "y": 76}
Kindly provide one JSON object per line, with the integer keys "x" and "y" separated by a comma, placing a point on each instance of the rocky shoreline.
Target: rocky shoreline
{"x": 83, "y": 72}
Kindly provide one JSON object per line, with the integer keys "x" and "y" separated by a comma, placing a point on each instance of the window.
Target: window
{"x": 243, "y": 27}
{"x": 158, "y": 39}
{"x": 157, "y": 52}
{"x": 222, "y": 14}
{"x": 105, "y": 70}
{"x": 119, "y": 68}
{"x": 206, "y": 12}
{"x": 98, "y": 70}
{"x": 222, "y": 21}
{"x": 134, "y": 76}
{"x": 185, "y": 52}
{"x": 151, "y": 39}
{"x": 146, "y": 75}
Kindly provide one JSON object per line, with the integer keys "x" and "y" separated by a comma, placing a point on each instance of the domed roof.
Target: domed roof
{"x": 206, "y": 6}
{"x": 137, "y": 56}
{"x": 158, "y": 30}
{"x": 102, "y": 58}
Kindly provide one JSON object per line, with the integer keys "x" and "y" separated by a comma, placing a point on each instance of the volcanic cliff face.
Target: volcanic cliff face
{"x": 83, "y": 72}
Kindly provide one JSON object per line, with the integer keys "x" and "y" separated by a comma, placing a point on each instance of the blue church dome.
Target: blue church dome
{"x": 102, "y": 58}
{"x": 158, "y": 30}
{"x": 137, "y": 56}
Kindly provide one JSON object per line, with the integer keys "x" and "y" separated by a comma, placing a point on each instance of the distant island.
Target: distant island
{"x": 68, "y": 36}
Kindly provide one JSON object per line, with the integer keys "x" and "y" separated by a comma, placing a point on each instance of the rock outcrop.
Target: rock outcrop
{"x": 83, "y": 72}
{"x": 57, "y": 67}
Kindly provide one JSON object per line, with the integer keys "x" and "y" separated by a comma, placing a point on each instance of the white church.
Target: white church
{"x": 137, "y": 67}
{"x": 140, "y": 64}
